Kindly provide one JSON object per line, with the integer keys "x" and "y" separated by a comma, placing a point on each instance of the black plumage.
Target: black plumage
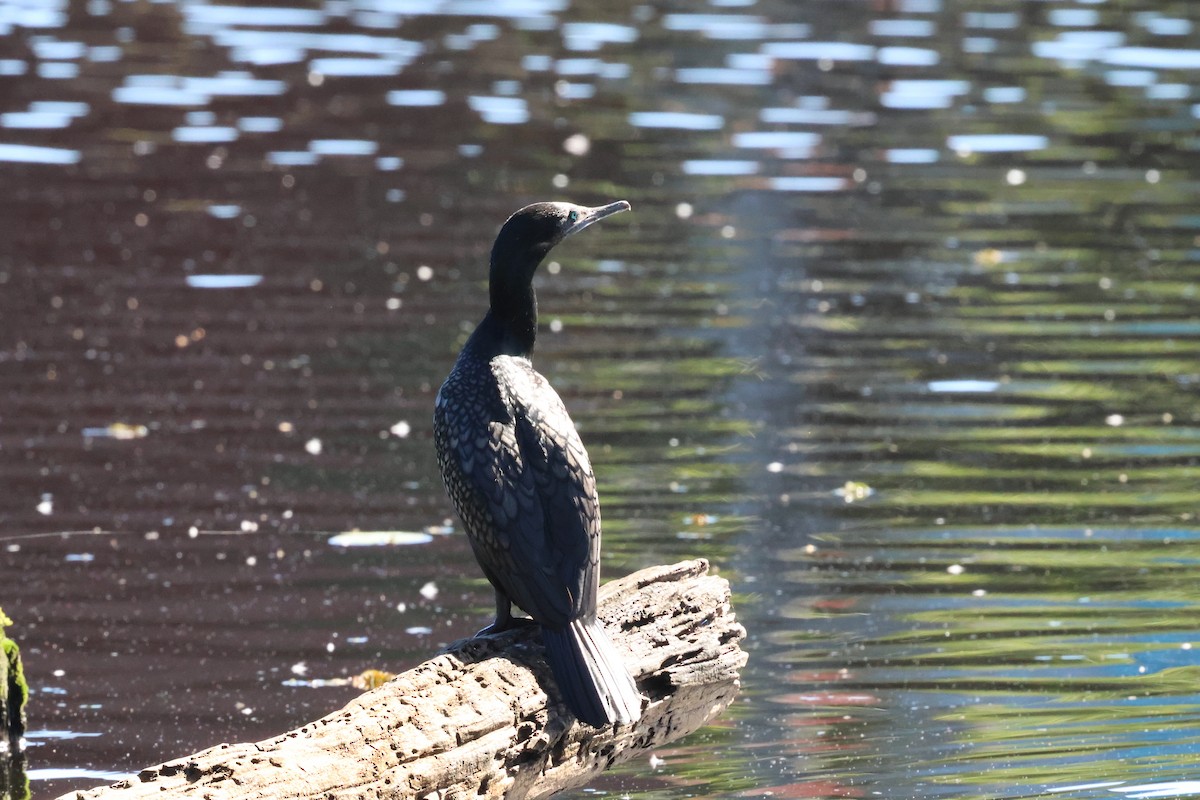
{"x": 520, "y": 477}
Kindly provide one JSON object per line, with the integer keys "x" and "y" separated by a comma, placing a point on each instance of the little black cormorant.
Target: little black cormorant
{"x": 521, "y": 480}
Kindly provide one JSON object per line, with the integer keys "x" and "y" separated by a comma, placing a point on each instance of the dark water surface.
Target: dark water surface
{"x": 902, "y": 334}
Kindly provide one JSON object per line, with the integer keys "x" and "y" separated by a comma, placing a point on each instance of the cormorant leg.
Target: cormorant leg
{"x": 504, "y": 618}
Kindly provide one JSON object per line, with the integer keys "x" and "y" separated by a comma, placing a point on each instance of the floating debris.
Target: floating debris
{"x": 117, "y": 430}
{"x": 379, "y": 538}
{"x": 317, "y": 683}
{"x": 989, "y": 257}
{"x": 371, "y": 678}
{"x": 853, "y": 491}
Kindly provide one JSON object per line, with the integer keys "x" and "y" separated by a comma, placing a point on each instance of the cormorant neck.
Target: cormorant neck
{"x": 496, "y": 337}
{"x": 512, "y": 319}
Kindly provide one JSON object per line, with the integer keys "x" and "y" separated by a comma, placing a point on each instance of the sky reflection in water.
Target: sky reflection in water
{"x": 901, "y": 335}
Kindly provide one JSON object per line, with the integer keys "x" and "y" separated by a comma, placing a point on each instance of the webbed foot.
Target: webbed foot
{"x": 500, "y": 626}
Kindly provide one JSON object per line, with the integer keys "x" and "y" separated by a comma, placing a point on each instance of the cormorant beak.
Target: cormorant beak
{"x": 589, "y": 215}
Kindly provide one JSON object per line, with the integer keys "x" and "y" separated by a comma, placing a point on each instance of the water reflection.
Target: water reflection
{"x": 44, "y": 114}
{"x": 901, "y": 336}
{"x": 33, "y": 154}
{"x": 676, "y": 119}
{"x": 416, "y": 97}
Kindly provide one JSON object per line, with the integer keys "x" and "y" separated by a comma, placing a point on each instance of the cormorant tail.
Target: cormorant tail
{"x": 587, "y": 667}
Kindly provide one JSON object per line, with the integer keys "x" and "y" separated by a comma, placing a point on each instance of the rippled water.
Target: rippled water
{"x": 903, "y": 335}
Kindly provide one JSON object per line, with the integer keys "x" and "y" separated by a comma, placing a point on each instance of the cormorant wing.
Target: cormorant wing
{"x": 566, "y": 486}
{"x": 541, "y": 531}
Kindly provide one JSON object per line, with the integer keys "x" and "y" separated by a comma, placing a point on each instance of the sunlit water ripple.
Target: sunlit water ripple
{"x": 902, "y": 335}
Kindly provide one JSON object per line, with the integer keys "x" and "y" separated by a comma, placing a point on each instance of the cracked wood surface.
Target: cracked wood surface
{"x": 476, "y": 721}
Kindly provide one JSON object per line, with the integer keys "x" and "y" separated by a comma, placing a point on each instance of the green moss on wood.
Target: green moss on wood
{"x": 14, "y": 692}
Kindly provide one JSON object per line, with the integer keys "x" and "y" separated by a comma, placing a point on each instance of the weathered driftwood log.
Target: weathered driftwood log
{"x": 484, "y": 718}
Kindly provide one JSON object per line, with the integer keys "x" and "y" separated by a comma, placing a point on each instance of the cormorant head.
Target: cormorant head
{"x": 521, "y": 245}
{"x": 529, "y": 234}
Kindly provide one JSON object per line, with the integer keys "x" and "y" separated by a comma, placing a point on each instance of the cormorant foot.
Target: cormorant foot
{"x": 507, "y": 625}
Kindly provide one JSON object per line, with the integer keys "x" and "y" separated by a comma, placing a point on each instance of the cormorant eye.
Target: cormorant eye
{"x": 574, "y": 215}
